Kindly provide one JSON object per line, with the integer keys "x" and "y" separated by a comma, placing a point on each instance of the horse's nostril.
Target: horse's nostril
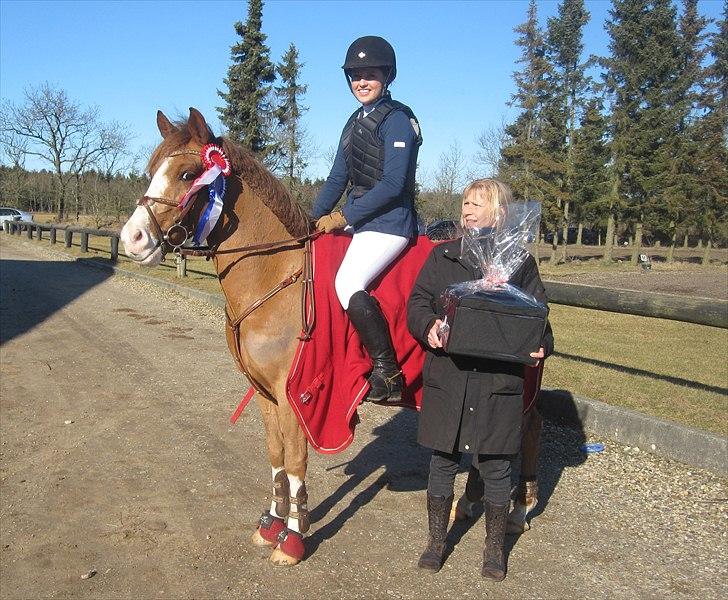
{"x": 137, "y": 236}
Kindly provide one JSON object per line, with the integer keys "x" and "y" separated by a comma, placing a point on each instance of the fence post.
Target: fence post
{"x": 114, "y": 247}
{"x": 39, "y": 231}
{"x": 18, "y": 227}
{"x": 53, "y": 234}
{"x": 68, "y": 237}
{"x": 6, "y": 226}
{"x": 29, "y": 229}
{"x": 84, "y": 241}
{"x": 181, "y": 262}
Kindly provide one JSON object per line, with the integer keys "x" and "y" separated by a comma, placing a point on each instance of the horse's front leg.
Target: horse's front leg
{"x": 526, "y": 496}
{"x": 273, "y": 521}
{"x": 290, "y": 549}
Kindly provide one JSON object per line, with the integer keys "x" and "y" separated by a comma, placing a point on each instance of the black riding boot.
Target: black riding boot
{"x": 494, "y": 562}
{"x": 438, "y": 515}
{"x": 386, "y": 377}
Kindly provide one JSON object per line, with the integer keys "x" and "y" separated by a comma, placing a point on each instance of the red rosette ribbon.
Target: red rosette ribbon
{"x": 213, "y": 155}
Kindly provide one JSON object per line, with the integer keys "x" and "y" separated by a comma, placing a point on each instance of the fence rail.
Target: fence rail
{"x": 702, "y": 311}
{"x": 36, "y": 230}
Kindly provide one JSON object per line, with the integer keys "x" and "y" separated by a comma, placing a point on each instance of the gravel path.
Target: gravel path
{"x": 114, "y": 458}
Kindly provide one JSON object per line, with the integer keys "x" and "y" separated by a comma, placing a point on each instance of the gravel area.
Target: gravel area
{"x": 149, "y": 487}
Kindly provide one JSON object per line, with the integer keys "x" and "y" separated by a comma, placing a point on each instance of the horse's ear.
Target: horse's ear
{"x": 165, "y": 127}
{"x": 198, "y": 127}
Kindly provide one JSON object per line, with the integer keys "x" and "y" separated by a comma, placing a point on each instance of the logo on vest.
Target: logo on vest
{"x": 362, "y": 54}
{"x": 399, "y": 145}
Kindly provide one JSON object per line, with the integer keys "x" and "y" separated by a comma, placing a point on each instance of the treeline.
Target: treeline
{"x": 629, "y": 144}
{"x": 91, "y": 166}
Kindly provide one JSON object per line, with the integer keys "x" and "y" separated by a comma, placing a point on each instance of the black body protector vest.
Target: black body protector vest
{"x": 365, "y": 150}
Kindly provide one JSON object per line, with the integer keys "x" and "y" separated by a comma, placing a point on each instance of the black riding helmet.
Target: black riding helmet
{"x": 371, "y": 51}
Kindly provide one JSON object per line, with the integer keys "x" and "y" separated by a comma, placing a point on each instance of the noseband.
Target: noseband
{"x": 175, "y": 237}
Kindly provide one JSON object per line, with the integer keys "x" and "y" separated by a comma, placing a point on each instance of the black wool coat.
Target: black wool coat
{"x": 469, "y": 404}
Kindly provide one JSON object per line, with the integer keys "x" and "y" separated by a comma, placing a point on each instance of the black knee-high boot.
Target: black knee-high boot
{"x": 386, "y": 377}
{"x": 494, "y": 562}
{"x": 438, "y": 514}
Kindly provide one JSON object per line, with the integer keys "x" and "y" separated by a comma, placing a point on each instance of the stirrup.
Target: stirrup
{"x": 390, "y": 392}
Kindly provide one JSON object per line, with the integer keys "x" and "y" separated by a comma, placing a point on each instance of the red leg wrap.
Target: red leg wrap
{"x": 270, "y": 527}
{"x": 291, "y": 543}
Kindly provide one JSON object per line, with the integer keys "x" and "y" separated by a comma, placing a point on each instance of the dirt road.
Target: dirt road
{"x": 116, "y": 455}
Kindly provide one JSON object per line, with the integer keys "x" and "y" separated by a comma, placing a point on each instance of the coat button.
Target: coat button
{"x": 467, "y": 447}
{"x": 471, "y": 409}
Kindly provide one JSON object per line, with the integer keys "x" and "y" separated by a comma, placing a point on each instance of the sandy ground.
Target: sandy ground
{"x": 683, "y": 279}
{"x": 117, "y": 457}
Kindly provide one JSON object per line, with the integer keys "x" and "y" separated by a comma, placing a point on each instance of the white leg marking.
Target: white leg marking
{"x": 296, "y": 484}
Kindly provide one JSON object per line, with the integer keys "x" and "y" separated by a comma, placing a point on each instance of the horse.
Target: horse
{"x": 259, "y": 250}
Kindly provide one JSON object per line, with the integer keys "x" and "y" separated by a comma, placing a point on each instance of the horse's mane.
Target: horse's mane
{"x": 271, "y": 192}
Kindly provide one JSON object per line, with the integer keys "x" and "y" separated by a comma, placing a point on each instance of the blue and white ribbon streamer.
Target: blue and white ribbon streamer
{"x": 212, "y": 211}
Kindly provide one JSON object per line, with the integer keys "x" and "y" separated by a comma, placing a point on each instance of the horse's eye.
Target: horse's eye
{"x": 187, "y": 176}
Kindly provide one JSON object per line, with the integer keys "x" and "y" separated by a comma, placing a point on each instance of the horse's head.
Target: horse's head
{"x": 159, "y": 224}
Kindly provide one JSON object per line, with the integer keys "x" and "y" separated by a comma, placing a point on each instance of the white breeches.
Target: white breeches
{"x": 369, "y": 253}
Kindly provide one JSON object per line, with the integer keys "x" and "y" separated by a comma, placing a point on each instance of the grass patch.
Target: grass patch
{"x": 677, "y": 371}
{"x": 669, "y": 369}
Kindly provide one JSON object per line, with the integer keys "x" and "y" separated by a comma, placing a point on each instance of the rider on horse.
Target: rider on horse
{"x": 376, "y": 160}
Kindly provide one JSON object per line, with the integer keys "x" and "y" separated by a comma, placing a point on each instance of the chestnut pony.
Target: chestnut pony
{"x": 258, "y": 251}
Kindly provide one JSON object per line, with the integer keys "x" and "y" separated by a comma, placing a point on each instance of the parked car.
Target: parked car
{"x": 444, "y": 229}
{"x": 13, "y": 214}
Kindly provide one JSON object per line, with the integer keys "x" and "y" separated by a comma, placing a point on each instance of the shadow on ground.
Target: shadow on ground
{"x": 404, "y": 467}
{"x": 22, "y": 307}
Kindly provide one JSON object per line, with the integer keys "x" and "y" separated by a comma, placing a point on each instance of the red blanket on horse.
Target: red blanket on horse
{"x": 327, "y": 380}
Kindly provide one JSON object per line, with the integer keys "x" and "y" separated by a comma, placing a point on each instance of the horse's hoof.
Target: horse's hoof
{"x": 269, "y": 527}
{"x": 281, "y": 559}
{"x": 259, "y": 540}
{"x": 464, "y": 510}
{"x": 517, "y": 520}
{"x": 290, "y": 549}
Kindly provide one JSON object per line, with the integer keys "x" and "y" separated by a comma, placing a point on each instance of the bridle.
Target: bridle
{"x": 177, "y": 234}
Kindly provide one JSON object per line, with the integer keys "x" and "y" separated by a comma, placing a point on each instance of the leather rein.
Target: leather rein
{"x": 177, "y": 235}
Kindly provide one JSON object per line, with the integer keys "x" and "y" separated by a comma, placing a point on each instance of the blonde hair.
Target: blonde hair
{"x": 493, "y": 193}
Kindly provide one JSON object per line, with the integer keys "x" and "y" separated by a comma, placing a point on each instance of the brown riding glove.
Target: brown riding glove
{"x": 331, "y": 222}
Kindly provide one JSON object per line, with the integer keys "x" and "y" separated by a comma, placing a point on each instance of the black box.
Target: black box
{"x": 496, "y": 324}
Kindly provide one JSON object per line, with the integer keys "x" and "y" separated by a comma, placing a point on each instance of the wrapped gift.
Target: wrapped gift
{"x": 496, "y": 322}
{"x": 488, "y": 317}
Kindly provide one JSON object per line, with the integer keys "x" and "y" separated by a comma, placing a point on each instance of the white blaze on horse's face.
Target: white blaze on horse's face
{"x": 137, "y": 235}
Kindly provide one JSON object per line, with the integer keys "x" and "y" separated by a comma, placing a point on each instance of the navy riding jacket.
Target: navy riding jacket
{"x": 388, "y": 207}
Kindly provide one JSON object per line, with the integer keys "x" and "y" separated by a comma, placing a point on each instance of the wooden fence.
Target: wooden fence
{"x": 702, "y": 311}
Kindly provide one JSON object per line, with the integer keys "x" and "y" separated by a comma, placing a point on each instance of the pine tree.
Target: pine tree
{"x": 590, "y": 156}
{"x": 525, "y": 164}
{"x": 709, "y": 134}
{"x": 288, "y": 115}
{"x": 641, "y": 75}
{"x": 247, "y": 113}
{"x": 682, "y": 185}
{"x": 564, "y": 49}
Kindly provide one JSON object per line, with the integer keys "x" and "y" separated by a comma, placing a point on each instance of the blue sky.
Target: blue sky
{"x": 455, "y": 59}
